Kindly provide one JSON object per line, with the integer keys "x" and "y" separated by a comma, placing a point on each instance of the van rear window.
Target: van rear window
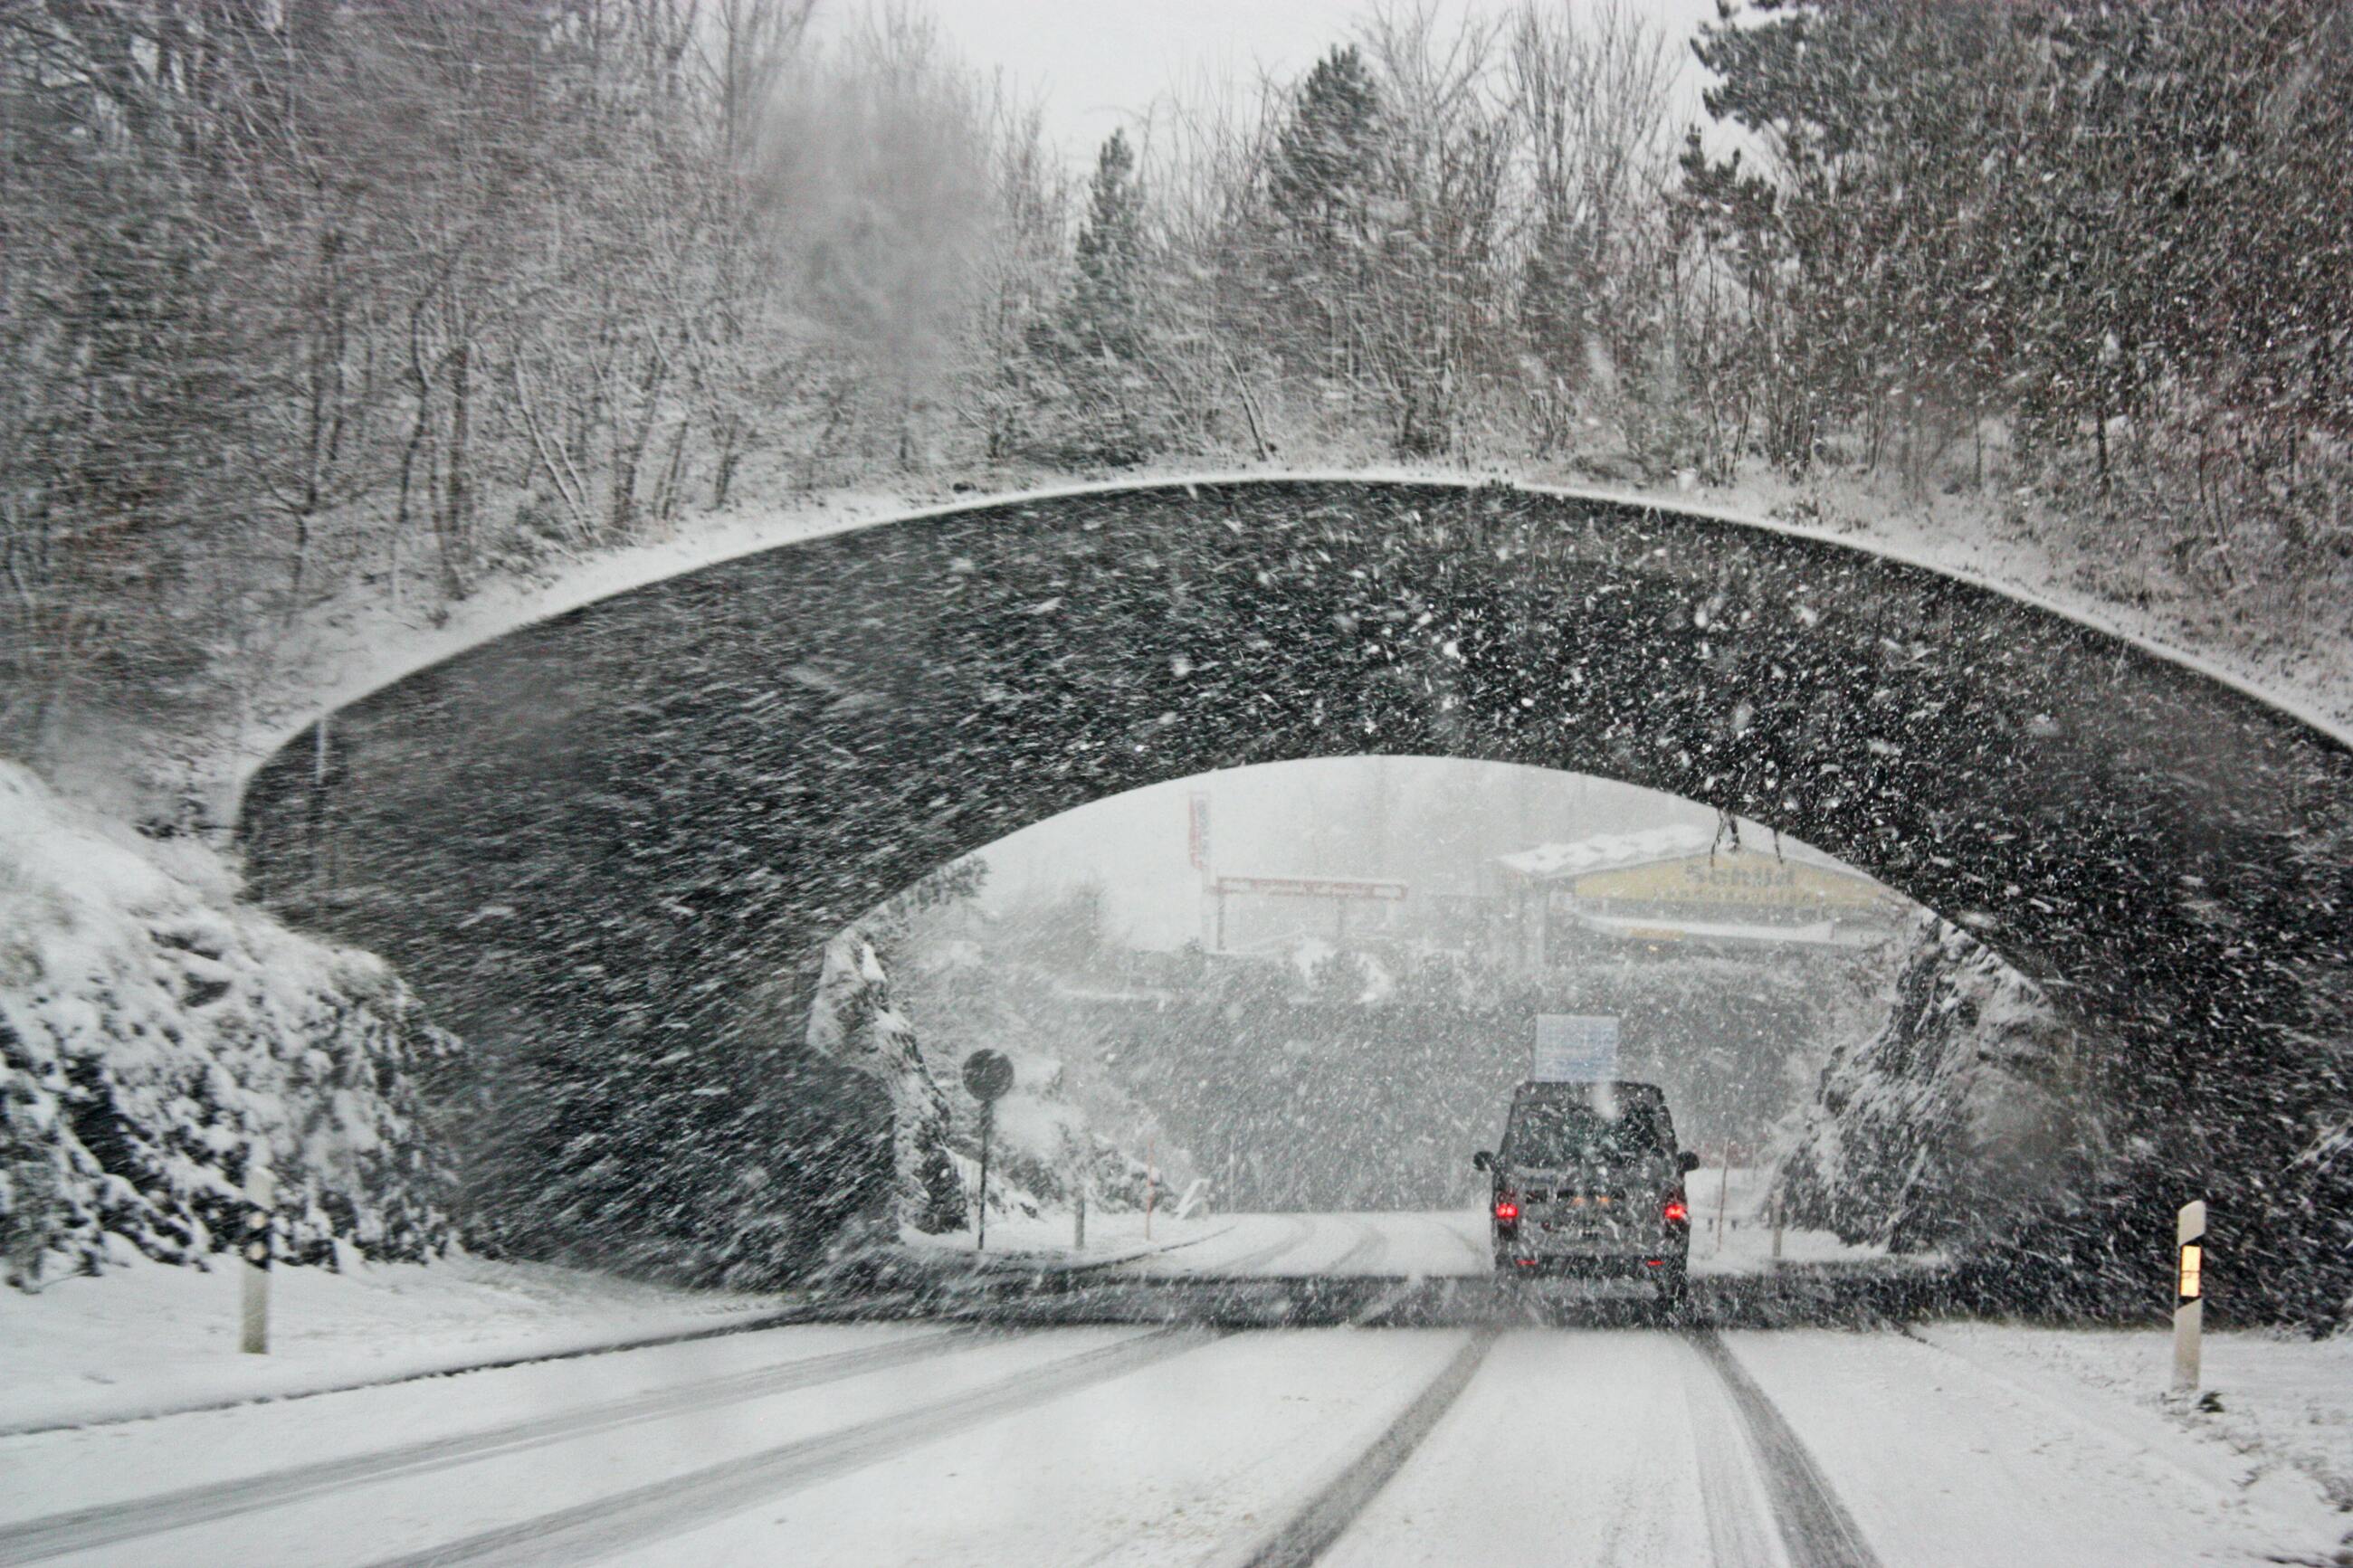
{"x": 1565, "y": 1133}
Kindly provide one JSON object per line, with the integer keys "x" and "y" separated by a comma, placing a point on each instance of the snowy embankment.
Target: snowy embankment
{"x": 1733, "y": 1229}
{"x": 147, "y": 1340}
{"x": 157, "y": 1036}
{"x": 1966, "y": 1103}
{"x": 1044, "y": 1148}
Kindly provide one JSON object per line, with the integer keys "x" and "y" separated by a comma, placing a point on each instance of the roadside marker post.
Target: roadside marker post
{"x": 988, "y": 1126}
{"x": 987, "y": 1075}
{"x": 2189, "y": 1294}
{"x": 262, "y": 1195}
{"x": 1723, "y": 1191}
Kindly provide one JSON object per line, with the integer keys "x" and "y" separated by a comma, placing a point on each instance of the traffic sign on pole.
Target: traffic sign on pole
{"x": 987, "y": 1074}
{"x": 2188, "y": 1293}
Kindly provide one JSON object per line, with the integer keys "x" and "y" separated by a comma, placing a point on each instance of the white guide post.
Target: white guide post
{"x": 261, "y": 1192}
{"x": 2189, "y": 1294}
{"x": 1079, "y": 1232}
{"x": 1723, "y": 1193}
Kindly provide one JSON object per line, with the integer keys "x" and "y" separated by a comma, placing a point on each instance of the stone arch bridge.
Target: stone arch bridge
{"x": 595, "y": 843}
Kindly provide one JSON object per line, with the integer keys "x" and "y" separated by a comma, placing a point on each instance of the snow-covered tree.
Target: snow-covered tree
{"x": 853, "y": 1021}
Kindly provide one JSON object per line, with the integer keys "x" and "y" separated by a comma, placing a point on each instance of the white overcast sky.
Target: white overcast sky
{"x": 1097, "y": 65}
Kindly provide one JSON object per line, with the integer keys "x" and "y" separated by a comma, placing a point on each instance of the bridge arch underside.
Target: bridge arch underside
{"x": 592, "y": 842}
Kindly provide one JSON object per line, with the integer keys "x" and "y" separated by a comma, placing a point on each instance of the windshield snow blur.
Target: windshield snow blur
{"x": 973, "y": 781}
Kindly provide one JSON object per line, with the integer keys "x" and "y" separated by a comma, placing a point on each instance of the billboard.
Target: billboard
{"x": 1732, "y": 880}
{"x": 1314, "y": 888}
{"x": 1573, "y": 1047}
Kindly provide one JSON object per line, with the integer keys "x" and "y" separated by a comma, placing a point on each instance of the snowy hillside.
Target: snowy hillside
{"x": 154, "y": 1033}
{"x": 1052, "y": 1133}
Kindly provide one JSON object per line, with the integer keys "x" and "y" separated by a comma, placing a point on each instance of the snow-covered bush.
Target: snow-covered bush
{"x": 154, "y": 1033}
{"x": 1965, "y": 1111}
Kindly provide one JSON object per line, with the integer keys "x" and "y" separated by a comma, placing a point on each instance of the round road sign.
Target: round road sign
{"x": 987, "y": 1074}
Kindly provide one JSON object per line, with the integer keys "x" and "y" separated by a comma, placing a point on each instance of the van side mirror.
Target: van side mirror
{"x": 1483, "y": 1160}
{"x": 1687, "y": 1161}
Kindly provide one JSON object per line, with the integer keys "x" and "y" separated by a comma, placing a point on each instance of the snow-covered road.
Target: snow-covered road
{"x": 935, "y": 1444}
{"x": 1439, "y": 1244}
{"x": 1297, "y": 1246}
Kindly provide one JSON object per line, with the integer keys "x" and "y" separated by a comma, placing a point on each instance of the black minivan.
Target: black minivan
{"x": 1590, "y": 1180}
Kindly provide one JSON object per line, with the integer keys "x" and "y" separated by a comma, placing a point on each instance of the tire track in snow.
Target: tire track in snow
{"x": 1365, "y": 1252}
{"x": 1480, "y": 1254}
{"x": 1732, "y": 1494}
{"x": 1816, "y": 1529}
{"x": 1302, "y": 1538}
{"x": 1295, "y": 1232}
{"x": 107, "y": 1524}
{"x": 643, "y": 1514}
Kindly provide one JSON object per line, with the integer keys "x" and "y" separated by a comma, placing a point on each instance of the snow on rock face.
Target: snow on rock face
{"x": 153, "y": 1032}
{"x": 1966, "y": 1109}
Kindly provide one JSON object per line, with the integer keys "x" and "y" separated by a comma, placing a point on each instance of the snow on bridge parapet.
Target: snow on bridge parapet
{"x": 351, "y": 653}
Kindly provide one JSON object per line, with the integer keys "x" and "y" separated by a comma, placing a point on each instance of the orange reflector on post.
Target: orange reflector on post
{"x": 2192, "y": 1262}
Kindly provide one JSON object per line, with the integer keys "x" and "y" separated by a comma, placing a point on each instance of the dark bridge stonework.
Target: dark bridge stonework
{"x": 598, "y": 838}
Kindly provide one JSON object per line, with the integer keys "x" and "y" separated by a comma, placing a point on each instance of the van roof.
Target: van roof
{"x": 1566, "y": 1089}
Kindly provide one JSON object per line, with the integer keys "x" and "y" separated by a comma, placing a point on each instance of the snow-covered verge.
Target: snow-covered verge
{"x": 1966, "y": 1107}
{"x": 2282, "y": 1404}
{"x": 148, "y": 1339}
{"x": 1996, "y": 1444}
{"x": 1043, "y": 1235}
{"x": 906, "y": 995}
{"x": 155, "y": 1035}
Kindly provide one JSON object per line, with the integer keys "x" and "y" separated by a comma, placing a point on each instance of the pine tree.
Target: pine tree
{"x": 1098, "y": 342}
{"x": 1105, "y": 315}
{"x": 1327, "y": 159}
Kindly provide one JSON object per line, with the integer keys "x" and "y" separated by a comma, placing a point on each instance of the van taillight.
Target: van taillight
{"x": 1677, "y": 1214}
{"x": 1507, "y": 1210}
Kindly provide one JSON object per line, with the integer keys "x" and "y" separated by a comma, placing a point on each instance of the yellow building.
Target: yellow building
{"x": 1676, "y": 889}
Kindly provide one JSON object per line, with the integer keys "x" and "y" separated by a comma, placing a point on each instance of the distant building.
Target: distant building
{"x": 1678, "y": 890}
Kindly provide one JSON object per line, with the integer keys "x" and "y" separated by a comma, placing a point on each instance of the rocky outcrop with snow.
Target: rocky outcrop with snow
{"x": 1966, "y": 1110}
{"x": 156, "y": 1034}
{"x": 852, "y": 1022}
